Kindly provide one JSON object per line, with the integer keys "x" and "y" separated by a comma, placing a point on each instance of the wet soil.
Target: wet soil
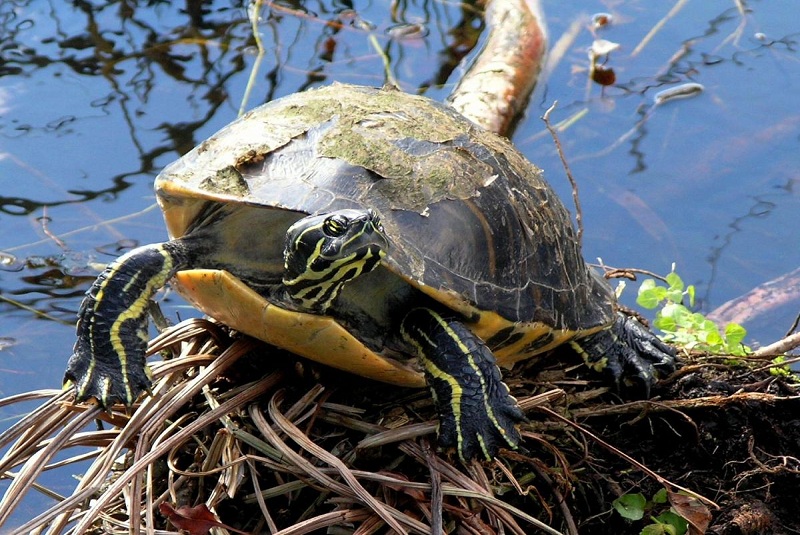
{"x": 717, "y": 428}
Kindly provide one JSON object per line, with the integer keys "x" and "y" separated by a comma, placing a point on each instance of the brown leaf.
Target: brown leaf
{"x": 693, "y": 510}
{"x": 197, "y": 520}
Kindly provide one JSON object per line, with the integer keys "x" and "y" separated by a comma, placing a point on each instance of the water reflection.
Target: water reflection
{"x": 127, "y": 50}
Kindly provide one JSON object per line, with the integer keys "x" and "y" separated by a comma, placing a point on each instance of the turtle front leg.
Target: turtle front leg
{"x": 108, "y": 360}
{"x": 477, "y": 415}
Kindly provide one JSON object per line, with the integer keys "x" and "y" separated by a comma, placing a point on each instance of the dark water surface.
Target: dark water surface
{"x": 96, "y": 97}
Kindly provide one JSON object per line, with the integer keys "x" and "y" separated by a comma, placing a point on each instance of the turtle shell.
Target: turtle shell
{"x": 473, "y": 225}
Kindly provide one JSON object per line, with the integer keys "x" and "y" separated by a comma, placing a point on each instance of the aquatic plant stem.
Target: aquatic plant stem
{"x": 253, "y": 10}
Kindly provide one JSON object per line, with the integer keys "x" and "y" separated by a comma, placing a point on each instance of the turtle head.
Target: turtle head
{"x": 323, "y": 252}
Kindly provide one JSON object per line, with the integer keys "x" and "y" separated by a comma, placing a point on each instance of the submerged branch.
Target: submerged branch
{"x": 495, "y": 89}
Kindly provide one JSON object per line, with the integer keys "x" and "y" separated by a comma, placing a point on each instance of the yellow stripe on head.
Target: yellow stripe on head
{"x": 324, "y": 252}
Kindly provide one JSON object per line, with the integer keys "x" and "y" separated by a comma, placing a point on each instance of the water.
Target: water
{"x": 708, "y": 182}
{"x": 95, "y": 99}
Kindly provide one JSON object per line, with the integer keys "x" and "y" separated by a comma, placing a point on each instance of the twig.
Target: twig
{"x": 437, "y": 497}
{"x": 32, "y": 310}
{"x": 105, "y": 223}
{"x": 682, "y": 404}
{"x": 44, "y": 220}
{"x": 611, "y": 272}
{"x": 562, "y": 502}
{"x": 795, "y": 323}
{"x": 549, "y": 396}
{"x": 780, "y": 347}
{"x": 575, "y": 197}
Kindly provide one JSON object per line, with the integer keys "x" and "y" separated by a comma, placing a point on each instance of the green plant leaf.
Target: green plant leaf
{"x": 670, "y": 310}
{"x": 679, "y": 314}
{"x": 660, "y": 496}
{"x": 658, "y": 529}
{"x": 780, "y": 371}
{"x": 675, "y": 282}
{"x": 683, "y": 327}
{"x": 674, "y": 520}
{"x": 647, "y": 284}
{"x": 666, "y": 324}
{"x": 674, "y": 296}
{"x": 650, "y": 295}
{"x": 630, "y": 506}
{"x": 734, "y": 333}
{"x": 715, "y": 342}
{"x": 692, "y": 321}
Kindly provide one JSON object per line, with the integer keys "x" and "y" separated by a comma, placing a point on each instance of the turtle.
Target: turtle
{"x": 380, "y": 233}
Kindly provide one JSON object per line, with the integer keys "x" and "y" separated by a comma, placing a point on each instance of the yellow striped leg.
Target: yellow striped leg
{"x": 108, "y": 361}
{"x": 477, "y": 415}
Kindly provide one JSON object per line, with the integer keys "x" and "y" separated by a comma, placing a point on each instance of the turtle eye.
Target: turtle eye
{"x": 334, "y": 226}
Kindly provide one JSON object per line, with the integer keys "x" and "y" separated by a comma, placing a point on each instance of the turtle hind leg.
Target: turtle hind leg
{"x": 630, "y": 353}
{"x": 477, "y": 415}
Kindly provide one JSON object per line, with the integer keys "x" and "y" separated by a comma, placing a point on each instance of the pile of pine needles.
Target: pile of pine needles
{"x": 200, "y": 438}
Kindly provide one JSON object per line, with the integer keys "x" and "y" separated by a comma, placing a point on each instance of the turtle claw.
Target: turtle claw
{"x": 630, "y": 353}
{"x": 482, "y": 429}
{"x": 100, "y": 379}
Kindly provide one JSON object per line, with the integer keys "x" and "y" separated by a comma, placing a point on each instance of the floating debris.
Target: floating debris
{"x": 407, "y": 31}
{"x": 688, "y": 90}
{"x": 603, "y": 75}
{"x": 601, "y": 20}
{"x": 598, "y": 71}
{"x": 602, "y": 47}
{"x": 9, "y": 262}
